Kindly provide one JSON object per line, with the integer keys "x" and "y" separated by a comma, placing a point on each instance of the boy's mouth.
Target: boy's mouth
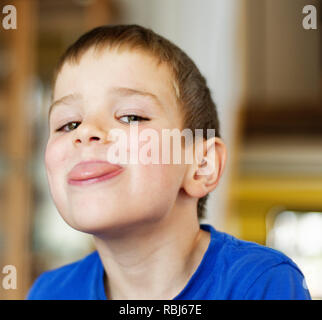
{"x": 89, "y": 172}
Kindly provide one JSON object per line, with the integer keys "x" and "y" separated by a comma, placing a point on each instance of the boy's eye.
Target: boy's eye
{"x": 132, "y": 118}
{"x": 69, "y": 126}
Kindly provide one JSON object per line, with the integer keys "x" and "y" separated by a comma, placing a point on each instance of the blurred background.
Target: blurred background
{"x": 264, "y": 71}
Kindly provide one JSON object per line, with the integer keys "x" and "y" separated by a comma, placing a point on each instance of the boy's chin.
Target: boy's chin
{"x": 111, "y": 226}
{"x": 93, "y": 226}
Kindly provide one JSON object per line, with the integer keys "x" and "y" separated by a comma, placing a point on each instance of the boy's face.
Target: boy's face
{"x": 98, "y": 95}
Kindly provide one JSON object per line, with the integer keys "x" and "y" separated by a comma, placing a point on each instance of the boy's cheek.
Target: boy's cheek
{"x": 55, "y": 156}
{"x": 155, "y": 178}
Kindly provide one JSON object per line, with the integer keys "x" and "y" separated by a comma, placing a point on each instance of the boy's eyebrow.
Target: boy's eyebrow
{"x": 64, "y": 100}
{"x": 121, "y": 91}
{"x": 127, "y": 92}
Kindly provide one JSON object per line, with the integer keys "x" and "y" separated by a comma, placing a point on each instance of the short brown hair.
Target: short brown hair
{"x": 193, "y": 94}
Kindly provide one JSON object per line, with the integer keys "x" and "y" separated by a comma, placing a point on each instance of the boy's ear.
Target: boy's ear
{"x": 204, "y": 173}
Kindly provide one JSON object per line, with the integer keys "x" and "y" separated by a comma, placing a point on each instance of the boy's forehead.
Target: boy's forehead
{"x": 116, "y": 68}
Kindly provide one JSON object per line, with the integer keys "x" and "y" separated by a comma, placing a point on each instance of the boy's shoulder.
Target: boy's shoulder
{"x": 71, "y": 281}
{"x": 235, "y": 250}
{"x": 246, "y": 268}
{"x": 250, "y": 255}
{"x": 238, "y": 248}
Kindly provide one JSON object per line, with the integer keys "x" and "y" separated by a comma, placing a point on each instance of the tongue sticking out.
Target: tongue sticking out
{"x": 93, "y": 169}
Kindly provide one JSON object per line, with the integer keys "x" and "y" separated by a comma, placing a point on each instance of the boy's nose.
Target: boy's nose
{"x": 88, "y": 133}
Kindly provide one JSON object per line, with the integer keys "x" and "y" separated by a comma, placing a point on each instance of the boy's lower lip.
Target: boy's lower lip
{"x": 101, "y": 178}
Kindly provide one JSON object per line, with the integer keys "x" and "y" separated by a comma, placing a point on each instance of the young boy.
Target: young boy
{"x": 144, "y": 217}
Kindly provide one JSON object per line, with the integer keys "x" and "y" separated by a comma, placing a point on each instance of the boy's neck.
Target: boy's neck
{"x": 155, "y": 263}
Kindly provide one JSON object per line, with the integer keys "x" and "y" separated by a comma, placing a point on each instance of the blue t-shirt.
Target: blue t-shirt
{"x": 230, "y": 269}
